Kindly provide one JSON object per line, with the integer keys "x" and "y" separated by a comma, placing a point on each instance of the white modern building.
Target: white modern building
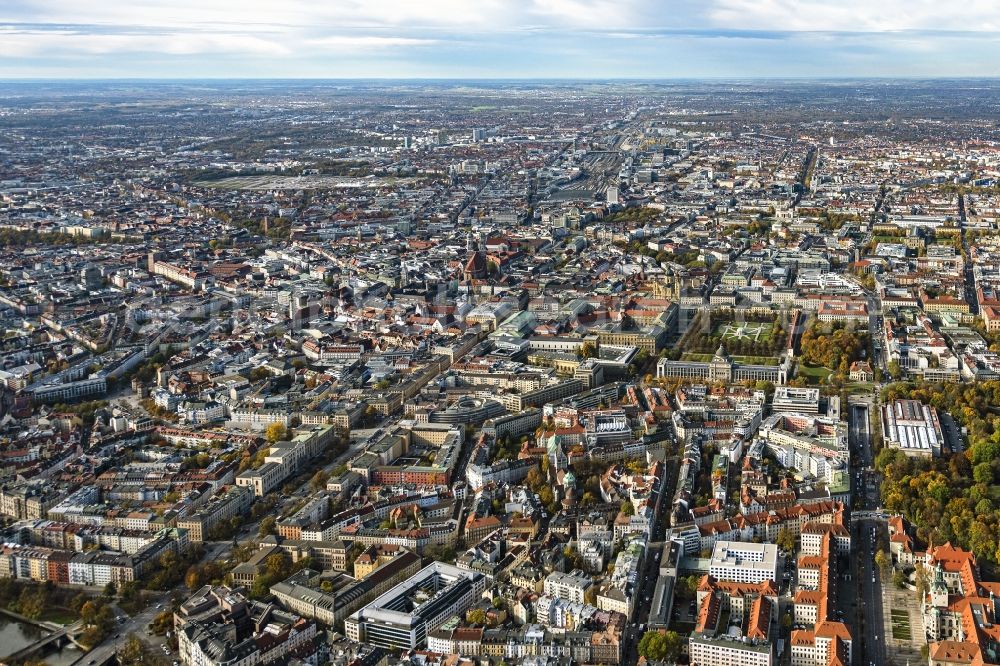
{"x": 570, "y": 586}
{"x": 727, "y": 650}
{"x": 402, "y": 617}
{"x": 795, "y": 399}
{"x": 912, "y": 427}
{"x": 744, "y": 562}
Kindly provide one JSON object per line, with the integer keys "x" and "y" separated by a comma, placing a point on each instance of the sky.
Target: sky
{"x": 498, "y": 38}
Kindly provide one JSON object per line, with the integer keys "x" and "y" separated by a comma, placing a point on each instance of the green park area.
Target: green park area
{"x": 814, "y": 374}
{"x": 749, "y": 331}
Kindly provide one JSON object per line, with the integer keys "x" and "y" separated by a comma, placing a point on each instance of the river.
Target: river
{"x": 15, "y": 635}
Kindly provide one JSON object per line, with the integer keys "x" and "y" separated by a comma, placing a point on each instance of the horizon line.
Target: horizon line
{"x": 913, "y": 77}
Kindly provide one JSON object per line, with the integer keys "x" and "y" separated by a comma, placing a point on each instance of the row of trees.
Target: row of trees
{"x": 98, "y": 621}
{"x": 33, "y": 600}
{"x": 31, "y": 603}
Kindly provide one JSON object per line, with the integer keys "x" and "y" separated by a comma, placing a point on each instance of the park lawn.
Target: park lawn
{"x": 814, "y": 374}
{"x": 59, "y": 615}
{"x": 766, "y": 330}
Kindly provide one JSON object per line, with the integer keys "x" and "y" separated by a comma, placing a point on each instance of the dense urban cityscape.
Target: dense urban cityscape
{"x": 474, "y": 373}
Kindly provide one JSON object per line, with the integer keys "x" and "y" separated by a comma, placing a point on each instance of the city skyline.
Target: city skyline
{"x": 575, "y": 39}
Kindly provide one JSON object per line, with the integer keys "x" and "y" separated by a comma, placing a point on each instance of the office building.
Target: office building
{"x": 744, "y": 562}
{"x": 402, "y": 617}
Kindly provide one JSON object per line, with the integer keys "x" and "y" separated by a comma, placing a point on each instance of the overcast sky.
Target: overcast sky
{"x": 498, "y": 38}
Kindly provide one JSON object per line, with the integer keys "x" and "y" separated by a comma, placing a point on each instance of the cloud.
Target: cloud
{"x": 497, "y": 37}
{"x": 25, "y": 43}
{"x": 858, "y": 16}
{"x": 368, "y": 42}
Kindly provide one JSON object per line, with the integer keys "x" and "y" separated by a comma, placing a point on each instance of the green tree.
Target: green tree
{"x": 899, "y": 579}
{"x": 546, "y": 496}
{"x": 268, "y": 526}
{"x": 318, "y": 480}
{"x": 32, "y": 602}
{"x": 259, "y": 374}
{"x": 534, "y": 478}
{"x": 785, "y": 540}
{"x": 476, "y": 616}
{"x": 277, "y": 566}
{"x": 689, "y": 588}
{"x": 660, "y": 645}
{"x": 129, "y": 592}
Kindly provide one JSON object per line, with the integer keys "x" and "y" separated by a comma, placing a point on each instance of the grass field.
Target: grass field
{"x": 814, "y": 374}
{"x": 59, "y": 615}
{"x": 900, "y": 624}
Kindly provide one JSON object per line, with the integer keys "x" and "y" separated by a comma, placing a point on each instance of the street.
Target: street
{"x": 104, "y": 652}
{"x": 648, "y": 572}
{"x": 866, "y": 534}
